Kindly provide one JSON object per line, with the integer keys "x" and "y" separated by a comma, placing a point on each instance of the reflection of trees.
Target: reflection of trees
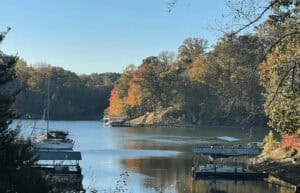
{"x": 160, "y": 136}
{"x": 228, "y": 187}
{"x": 169, "y": 174}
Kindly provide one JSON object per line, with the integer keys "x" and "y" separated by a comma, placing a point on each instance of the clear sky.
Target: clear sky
{"x": 88, "y": 36}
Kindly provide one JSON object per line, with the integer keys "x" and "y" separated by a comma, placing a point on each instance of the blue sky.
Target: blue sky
{"x": 87, "y": 36}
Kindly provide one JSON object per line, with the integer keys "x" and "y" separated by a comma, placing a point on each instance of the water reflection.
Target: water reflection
{"x": 173, "y": 175}
{"x": 156, "y": 159}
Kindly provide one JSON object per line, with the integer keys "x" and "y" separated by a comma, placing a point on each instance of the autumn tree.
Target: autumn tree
{"x": 231, "y": 78}
{"x": 280, "y": 75}
{"x": 116, "y": 104}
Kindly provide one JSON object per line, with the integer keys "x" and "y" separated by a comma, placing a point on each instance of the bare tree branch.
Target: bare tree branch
{"x": 257, "y": 18}
{"x": 293, "y": 79}
{"x": 269, "y": 50}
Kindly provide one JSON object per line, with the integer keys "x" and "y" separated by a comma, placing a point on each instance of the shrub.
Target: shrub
{"x": 270, "y": 144}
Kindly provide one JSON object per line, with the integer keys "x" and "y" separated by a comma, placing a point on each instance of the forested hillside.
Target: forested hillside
{"x": 201, "y": 86}
{"x": 240, "y": 80}
{"x": 72, "y": 96}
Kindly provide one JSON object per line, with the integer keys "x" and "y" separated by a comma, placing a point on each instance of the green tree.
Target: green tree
{"x": 269, "y": 143}
{"x": 8, "y": 92}
{"x": 280, "y": 71}
{"x": 65, "y": 101}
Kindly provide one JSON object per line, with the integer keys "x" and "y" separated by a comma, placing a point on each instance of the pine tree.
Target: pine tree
{"x": 16, "y": 175}
{"x": 7, "y": 98}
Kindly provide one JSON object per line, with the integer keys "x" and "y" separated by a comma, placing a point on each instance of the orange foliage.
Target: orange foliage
{"x": 198, "y": 68}
{"x": 292, "y": 141}
{"x": 115, "y": 104}
{"x": 133, "y": 94}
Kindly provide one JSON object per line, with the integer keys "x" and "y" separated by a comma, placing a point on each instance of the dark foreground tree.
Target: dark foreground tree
{"x": 16, "y": 175}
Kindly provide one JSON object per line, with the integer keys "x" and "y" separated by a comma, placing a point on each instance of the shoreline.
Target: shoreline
{"x": 283, "y": 173}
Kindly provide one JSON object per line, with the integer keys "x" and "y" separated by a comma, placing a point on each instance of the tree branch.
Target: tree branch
{"x": 281, "y": 82}
{"x": 270, "y": 49}
{"x": 257, "y": 18}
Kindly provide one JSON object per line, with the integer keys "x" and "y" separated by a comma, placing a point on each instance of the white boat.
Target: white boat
{"x": 56, "y": 139}
{"x": 52, "y": 144}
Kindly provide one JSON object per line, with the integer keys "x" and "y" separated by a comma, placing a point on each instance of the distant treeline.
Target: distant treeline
{"x": 72, "y": 96}
{"x": 204, "y": 87}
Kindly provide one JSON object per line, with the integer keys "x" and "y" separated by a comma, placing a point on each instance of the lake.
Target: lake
{"x": 149, "y": 160}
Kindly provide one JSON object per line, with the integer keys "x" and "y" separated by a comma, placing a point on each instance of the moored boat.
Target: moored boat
{"x": 56, "y": 139}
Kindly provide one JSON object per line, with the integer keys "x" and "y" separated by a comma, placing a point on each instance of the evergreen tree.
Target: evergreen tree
{"x": 16, "y": 175}
{"x": 7, "y": 113}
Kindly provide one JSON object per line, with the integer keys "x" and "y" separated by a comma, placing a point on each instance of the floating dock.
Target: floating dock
{"x": 121, "y": 121}
{"x": 226, "y": 172}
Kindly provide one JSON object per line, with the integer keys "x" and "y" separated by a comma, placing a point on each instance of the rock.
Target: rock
{"x": 164, "y": 117}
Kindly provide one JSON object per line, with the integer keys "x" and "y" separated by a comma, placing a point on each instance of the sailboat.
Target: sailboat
{"x": 54, "y": 139}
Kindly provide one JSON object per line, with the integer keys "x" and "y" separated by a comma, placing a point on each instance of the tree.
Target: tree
{"x": 8, "y": 92}
{"x": 191, "y": 49}
{"x": 116, "y": 104}
{"x": 148, "y": 77}
{"x": 280, "y": 69}
{"x": 65, "y": 101}
{"x": 280, "y": 75}
{"x": 277, "y": 24}
{"x": 16, "y": 156}
{"x": 269, "y": 143}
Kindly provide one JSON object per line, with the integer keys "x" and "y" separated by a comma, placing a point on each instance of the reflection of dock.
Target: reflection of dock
{"x": 218, "y": 171}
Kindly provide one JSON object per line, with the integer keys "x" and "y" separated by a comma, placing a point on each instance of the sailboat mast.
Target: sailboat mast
{"x": 48, "y": 103}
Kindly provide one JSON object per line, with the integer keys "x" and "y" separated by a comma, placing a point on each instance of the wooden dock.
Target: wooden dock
{"x": 113, "y": 121}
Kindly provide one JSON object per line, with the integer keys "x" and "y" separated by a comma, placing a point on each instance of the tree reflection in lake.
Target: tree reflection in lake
{"x": 173, "y": 175}
{"x": 156, "y": 159}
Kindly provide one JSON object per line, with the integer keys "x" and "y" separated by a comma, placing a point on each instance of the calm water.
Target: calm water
{"x": 149, "y": 160}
